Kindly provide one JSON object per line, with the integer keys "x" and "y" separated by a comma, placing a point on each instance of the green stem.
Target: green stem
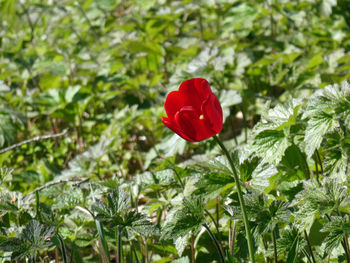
{"x": 215, "y": 224}
{"x": 117, "y": 236}
{"x": 135, "y": 253}
{"x": 193, "y": 252}
{"x": 212, "y": 236}
{"x": 63, "y": 248}
{"x": 346, "y": 248}
{"x": 319, "y": 160}
{"x": 240, "y": 198}
{"x": 309, "y": 245}
{"x": 274, "y": 246}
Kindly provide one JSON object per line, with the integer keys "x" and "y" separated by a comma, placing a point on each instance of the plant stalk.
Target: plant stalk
{"x": 117, "y": 233}
{"x": 216, "y": 242}
{"x": 193, "y": 249}
{"x": 309, "y": 245}
{"x": 346, "y": 248}
{"x": 240, "y": 198}
{"x": 275, "y": 256}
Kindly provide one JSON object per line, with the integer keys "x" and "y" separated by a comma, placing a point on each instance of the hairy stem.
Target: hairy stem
{"x": 241, "y": 200}
{"x": 216, "y": 242}
{"x": 309, "y": 245}
{"x": 346, "y": 248}
{"x": 193, "y": 249}
{"x": 275, "y": 256}
{"x": 118, "y": 237}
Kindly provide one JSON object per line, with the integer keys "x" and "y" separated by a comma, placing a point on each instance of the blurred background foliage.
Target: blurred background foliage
{"x": 101, "y": 70}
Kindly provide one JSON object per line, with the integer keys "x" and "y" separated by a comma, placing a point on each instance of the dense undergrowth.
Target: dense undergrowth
{"x": 102, "y": 177}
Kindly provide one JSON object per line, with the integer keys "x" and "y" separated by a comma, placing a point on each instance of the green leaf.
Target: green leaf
{"x": 336, "y": 229}
{"x": 33, "y": 238}
{"x": 318, "y": 126}
{"x": 181, "y": 260}
{"x": 185, "y": 219}
{"x": 293, "y": 252}
{"x": 290, "y": 242}
{"x": 314, "y": 61}
{"x": 271, "y": 145}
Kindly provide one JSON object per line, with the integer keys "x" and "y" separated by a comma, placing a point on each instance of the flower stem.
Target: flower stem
{"x": 240, "y": 198}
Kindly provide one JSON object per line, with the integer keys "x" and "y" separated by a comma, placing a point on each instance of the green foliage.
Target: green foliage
{"x": 185, "y": 219}
{"x": 337, "y": 227}
{"x": 116, "y": 214}
{"x": 101, "y": 71}
{"x": 34, "y": 237}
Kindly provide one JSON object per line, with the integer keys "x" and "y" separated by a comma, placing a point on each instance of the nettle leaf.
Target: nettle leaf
{"x": 185, "y": 219}
{"x": 336, "y": 228}
{"x": 327, "y": 199}
{"x": 318, "y": 126}
{"x": 259, "y": 177}
{"x": 326, "y": 110}
{"x": 34, "y": 237}
{"x": 181, "y": 243}
{"x": 211, "y": 184}
{"x": 10, "y": 121}
{"x": 69, "y": 199}
{"x": 266, "y": 216}
{"x": 6, "y": 204}
{"x": 289, "y": 242}
{"x": 220, "y": 165}
{"x": 336, "y": 159}
{"x": 181, "y": 260}
{"x": 117, "y": 213}
{"x": 272, "y": 132}
{"x": 271, "y": 145}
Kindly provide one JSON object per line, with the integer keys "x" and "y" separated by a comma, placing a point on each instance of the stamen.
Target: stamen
{"x": 201, "y": 117}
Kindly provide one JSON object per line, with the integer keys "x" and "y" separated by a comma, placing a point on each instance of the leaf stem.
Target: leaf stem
{"x": 274, "y": 246}
{"x": 193, "y": 249}
{"x": 240, "y": 198}
{"x": 63, "y": 248}
{"x": 319, "y": 160}
{"x": 346, "y": 248}
{"x": 309, "y": 245}
{"x": 117, "y": 237}
{"x": 233, "y": 240}
{"x": 216, "y": 242}
{"x": 215, "y": 224}
{"x": 100, "y": 231}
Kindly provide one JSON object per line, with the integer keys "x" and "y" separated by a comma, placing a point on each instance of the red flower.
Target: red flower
{"x": 194, "y": 112}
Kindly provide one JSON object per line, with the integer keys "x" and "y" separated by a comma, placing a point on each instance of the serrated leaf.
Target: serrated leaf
{"x": 271, "y": 145}
{"x": 34, "y": 237}
{"x": 181, "y": 260}
{"x": 289, "y": 242}
{"x": 318, "y": 126}
{"x": 185, "y": 219}
{"x": 336, "y": 229}
{"x": 181, "y": 243}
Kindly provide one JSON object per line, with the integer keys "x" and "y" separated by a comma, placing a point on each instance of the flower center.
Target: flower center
{"x": 201, "y": 117}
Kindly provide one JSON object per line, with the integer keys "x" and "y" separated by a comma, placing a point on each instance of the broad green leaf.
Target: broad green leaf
{"x": 314, "y": 61}
{"x": 317, "y": 127}
{"x": 336, "y": 229}
{"x": 271, "y": 145}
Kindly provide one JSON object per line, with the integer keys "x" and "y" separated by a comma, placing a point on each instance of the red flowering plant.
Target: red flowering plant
{"x": 195, "y": 114}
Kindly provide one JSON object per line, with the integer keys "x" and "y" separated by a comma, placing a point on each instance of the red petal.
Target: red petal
{"x": 191, "y": 125}
{"x": 212, "y": 113}
{"x": 173, "y": 126}
{"x": 195, "y": 91}
{"x": 173, "y": 103}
